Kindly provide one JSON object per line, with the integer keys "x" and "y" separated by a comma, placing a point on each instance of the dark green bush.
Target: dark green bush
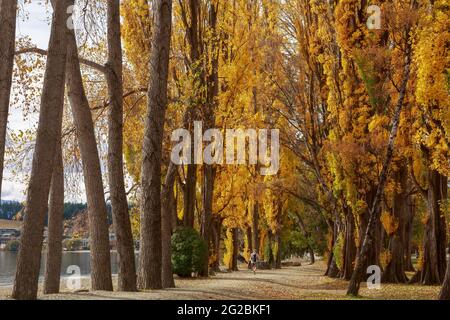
{"x": 12, "y": 245}
{"x": 189, "y": 252}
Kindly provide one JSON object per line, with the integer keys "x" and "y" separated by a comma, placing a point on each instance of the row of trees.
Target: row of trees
{"x": 363, "y": 114}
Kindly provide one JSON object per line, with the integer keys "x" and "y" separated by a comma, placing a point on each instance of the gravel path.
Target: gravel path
{"x": 305, "y": 282}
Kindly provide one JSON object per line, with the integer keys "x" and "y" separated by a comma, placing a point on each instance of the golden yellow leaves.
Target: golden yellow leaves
{"x": 390, "y": 222}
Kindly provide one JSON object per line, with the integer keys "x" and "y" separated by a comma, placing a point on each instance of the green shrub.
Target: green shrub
{"x": 189, "y": 252}
{"x": 12, "y": 245}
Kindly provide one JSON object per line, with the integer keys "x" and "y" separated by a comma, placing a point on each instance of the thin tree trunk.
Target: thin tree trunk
{"x": 361, "y": 262}
{"x": 208, "y": 188}
{"x": 151, "y": 246}
{"x": 121, "y": 218}
{"x": 248, "y": 235}
{"x": 270, "y": 258}
{"x": 217, "y": 228}
{"x": 8, "y": 12}
{"x": 255, "y": 226}
{"x": 278, "y": 254}
{"x": 234, "y": 259}
{"x": 409, "y": 234}
{"x": 277, "y": 234}
{"x": 97, "y": 213}
{"x": 55, "y": 225}
{"x": 168, "y": 204}
{"x": 49, "y": 130}
{"x": 189, "y": 196}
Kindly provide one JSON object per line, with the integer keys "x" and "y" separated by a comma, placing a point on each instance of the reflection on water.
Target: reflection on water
{"x": 80, "y": 259}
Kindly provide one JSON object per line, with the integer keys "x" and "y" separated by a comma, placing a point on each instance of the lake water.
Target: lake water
{"x": 80, "y": 259}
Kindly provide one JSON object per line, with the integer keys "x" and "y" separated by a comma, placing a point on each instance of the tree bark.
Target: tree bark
{"x": 434, "y": 243}
{"x": 8, "y": 12}
{"x": 97, "y": 213}
{"x": 255, "y": 227}
{"x": 193, "y": 36}
{"x": 277, "y": 234}
{"x": 151, "y": 246}
{"x": 168, "y": 206}
{"x": 332, "y": 268}
{"x": 350, "y": 245}
{"x": 216, "y": 231}
{"x": 189, "y": 196}
{"x": 208, "y": 188}
{"x": 395, "y": 270}
{"x": 278, "y": 254}
{"x": 234, "y": 258}
{"x": 409, "y": 234}
{"x": 445, "y": 290}
{"x": 49, "y": 130}
{"x": 55, "y": 225}
{"x": 368, "y": 244}
{"x": 121, "y": 218}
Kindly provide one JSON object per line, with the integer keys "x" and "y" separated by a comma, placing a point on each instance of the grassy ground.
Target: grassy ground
{"x": 305, "y": 282}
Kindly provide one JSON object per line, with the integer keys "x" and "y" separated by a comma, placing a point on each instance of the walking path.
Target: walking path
{"x": 305, "y": 282}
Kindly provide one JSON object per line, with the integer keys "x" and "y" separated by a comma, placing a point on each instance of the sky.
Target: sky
{"x": 35, "y": 26}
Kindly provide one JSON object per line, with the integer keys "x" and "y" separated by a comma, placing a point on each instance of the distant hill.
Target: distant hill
{"x": 9, "y": 209}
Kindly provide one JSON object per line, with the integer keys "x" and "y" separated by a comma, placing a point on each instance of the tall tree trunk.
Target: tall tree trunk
{"x": 189, "y": 196}
{"x": 445, "y": 290}
{"x": 216, "y": 231}
{"x": 8, "y": 12}
{"x": 278, "y": 253}
{"x": 270, "y": 258}
{"x": 248, "y": 235}
{"x": 121, "y": 218}
{"x": 212, "y": 92}
{"x": 435, "y": 242}
{"x": 193, "y": 36}
{"x": 369, "y": 237}
{"x": 373, "y": 256}
{"x": 255, "y": 226}
{"x": 151, "y": 246}
{"x": 97, "y": 213}
{"x": 350, "y": 245}
{"x": 312, "y": 258}
{"x": 234, "y": 258}
{"x": 395, "y": 270}
{"x": 332, "y": 270}
{"x": 168, "y": 206}
{"x": 277, "y": 235}
{"x": 49, "y": 130}
{"x": 409, "y": 234}
{"x": 55, "y": 225}
{"x": 208, "y": 188}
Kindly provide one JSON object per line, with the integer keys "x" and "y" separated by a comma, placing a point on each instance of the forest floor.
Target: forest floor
{"x": 292, "y": 283}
